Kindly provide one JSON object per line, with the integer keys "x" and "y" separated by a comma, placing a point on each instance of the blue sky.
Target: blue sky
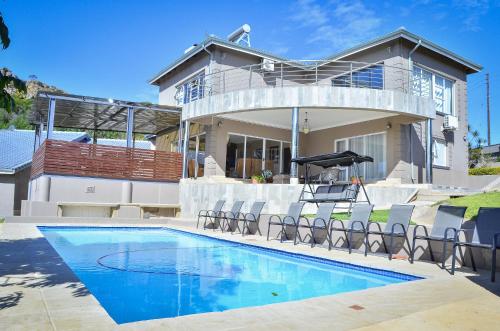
{"x": 111, "y": 48}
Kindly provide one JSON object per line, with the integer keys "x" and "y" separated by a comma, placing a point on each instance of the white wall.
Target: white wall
{"x": 85, "y": 189}
{"x": 7, "y": 189}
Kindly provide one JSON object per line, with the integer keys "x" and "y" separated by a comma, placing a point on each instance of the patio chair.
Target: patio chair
{"x": 360, "y": 216}
{"x": 396, "y": 226}
{"x": 252, "y": 217}
{"x": 291, "y": 220}
{"x": 228, "y": 218}
{"x": 206, "y": 214}
{"x": 486, "y": 235}
{"x": 320, "y": 222}
{"x": 447, "y": 223}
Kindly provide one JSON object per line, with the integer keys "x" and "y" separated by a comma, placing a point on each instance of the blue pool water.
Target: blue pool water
{"x": 146, "y": 273}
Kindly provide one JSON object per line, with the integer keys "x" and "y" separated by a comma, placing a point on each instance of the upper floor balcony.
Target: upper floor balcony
{"x": 306, "y": 84}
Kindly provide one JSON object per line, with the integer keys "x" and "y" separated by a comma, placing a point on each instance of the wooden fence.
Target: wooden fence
{"x": 56, "y": 157}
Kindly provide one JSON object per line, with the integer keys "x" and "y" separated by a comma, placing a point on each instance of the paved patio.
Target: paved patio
{"x": 38, "y": 291}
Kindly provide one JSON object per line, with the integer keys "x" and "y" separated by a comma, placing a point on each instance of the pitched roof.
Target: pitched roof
{"x": 400, "y": 33}
{"x": 16, "y": 147}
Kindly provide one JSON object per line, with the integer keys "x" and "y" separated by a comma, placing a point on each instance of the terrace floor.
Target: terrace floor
{"x": 38, "y": 291}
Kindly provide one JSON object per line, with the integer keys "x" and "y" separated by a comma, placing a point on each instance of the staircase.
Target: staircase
{"x": 426, "y": 201}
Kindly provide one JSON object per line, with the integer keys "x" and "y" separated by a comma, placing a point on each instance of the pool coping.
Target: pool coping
{"x": 406, "y": 304}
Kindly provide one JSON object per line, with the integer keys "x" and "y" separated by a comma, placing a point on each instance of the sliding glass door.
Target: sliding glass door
{"x": 247, "y": 156}
{"x": 373, "y": 145}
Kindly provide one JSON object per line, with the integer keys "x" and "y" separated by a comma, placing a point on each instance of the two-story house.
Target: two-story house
{"x": 399, "y": 98}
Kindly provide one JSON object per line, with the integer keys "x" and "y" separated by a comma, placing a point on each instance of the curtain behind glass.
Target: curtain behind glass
{"x": 375, "y": 147}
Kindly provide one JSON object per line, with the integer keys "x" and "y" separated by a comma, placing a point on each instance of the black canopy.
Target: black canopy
{"x": 342, "y": 159}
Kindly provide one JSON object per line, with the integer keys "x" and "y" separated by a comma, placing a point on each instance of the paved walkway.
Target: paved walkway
{"x": 39, "y": 292}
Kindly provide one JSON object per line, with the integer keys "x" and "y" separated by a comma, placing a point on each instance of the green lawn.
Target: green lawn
{"x": 473, "y": 202}
{"x": 377, "y": 216}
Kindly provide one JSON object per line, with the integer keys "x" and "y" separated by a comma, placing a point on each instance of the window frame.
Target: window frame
{"x": 444, "y": 143}
{"x": 200, "y": 88}
{"x": 346, "y": 139}
{"x": 434, "y": 74}
{"x": 245, "y": 136}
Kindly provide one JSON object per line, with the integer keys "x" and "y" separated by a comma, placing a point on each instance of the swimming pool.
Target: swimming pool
{"x": 147, "y": 273}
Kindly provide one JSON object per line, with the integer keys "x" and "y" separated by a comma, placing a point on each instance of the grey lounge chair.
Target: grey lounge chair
{"x": 228, "y": 218}
{"x": 396, "y": 226}
{"x": 320, "y": 222}
{"x": 252, "y": 217}
{"x": 291, "y": 220}
{"x": 486, "y": 234}
{"x": 358, "y": 223}
{"x": 209, "y": 213}
{"x": 447, "y": 223}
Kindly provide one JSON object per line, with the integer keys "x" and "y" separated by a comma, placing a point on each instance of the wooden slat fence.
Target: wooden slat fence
{"x": 88, "y": 160}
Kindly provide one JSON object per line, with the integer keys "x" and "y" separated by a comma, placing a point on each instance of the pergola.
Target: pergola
{"x": 100, "y": 114}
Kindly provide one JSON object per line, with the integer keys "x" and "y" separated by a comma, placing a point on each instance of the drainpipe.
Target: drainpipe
{"x": 410, "y": 65}
{"x": 210, "y": 57}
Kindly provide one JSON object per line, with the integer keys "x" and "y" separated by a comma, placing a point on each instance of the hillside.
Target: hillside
{"x": 19, "y": 117}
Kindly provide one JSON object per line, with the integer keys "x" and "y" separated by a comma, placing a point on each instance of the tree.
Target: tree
{"x": 9, "y": 83}
{"x": 4, "y": 33}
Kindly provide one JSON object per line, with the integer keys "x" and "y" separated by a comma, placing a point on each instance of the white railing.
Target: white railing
{"x": 272, "y": 74}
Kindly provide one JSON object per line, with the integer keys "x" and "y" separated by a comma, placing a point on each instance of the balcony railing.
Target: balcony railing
{"x": 56, "y": 157}
{"x": 270, "y": 74}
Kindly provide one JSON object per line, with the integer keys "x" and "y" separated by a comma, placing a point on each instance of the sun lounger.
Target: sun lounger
{"x": 396, "y": 226}
{"x": 252, "y": 217}
{"x": 291, "y": 220}
{"x": 207, "y": 214}
{"x": 228, "y": 218}
{"x": 447, "y": 223}
{"x": 320, "y": 222}
{"x": 486, "y": 235}
{"x": 358, "y": 223}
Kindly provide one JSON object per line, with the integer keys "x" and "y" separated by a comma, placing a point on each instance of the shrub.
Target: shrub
{"x": 484, "y": 171}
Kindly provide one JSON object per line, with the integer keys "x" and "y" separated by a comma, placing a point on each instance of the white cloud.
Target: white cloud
{"x": 472, "y": 11}
{"x": 336, "y": 25}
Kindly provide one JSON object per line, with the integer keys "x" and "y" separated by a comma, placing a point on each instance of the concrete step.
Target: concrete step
{"x": 431, "y": 197}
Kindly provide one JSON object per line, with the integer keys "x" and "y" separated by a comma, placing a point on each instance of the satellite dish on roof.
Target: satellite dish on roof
{"x": 241, "y": 35}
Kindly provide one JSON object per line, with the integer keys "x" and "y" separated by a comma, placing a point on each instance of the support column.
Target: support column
{"x": 50, "y": 118}
{"x": 294, "y": 174}
{"x": 179, "y": 137}
{"x": 130, "y": 127}
{"x": 428, "y": 151}
{"x": 185, "y": 149}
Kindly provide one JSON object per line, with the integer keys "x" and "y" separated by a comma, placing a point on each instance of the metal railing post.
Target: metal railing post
{"x": 316, "y": 74}
{"x": 224, "y": 82}
{"x": 281, "y": 74}
{"x": 350, "y": 75}
{"x": 250, "y": 78}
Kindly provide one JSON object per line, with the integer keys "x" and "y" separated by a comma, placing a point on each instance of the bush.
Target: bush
{"x": 484, "y": 171}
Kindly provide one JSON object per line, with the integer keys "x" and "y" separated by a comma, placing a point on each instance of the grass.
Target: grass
{"x": 473, "y": 202}
{"x": 380, "y": 216}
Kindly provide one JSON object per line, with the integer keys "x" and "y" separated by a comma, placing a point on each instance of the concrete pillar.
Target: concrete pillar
{"x": 428, "y": 151}
{"x": 43, "y": 188}
{"x": 50, "y": 118}
{"x": 179, "y": 137}
{"x": 294, "y": 174}
{"x": 126, "y": 192}
{"x": 130, "y": 127}
{"x": 185, "y": 149}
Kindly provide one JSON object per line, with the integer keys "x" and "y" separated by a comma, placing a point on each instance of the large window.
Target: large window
{"x": 440, "y": 153}
{"x": 370, "y": 77}
{"x": 373, "y": 145}
{"x": 426, "y": 84}
{"x": 191, "y": 90}
{"x": 247, "y": 156}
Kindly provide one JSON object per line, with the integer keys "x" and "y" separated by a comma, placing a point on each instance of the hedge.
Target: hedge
{"x": 484, "y": 171}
